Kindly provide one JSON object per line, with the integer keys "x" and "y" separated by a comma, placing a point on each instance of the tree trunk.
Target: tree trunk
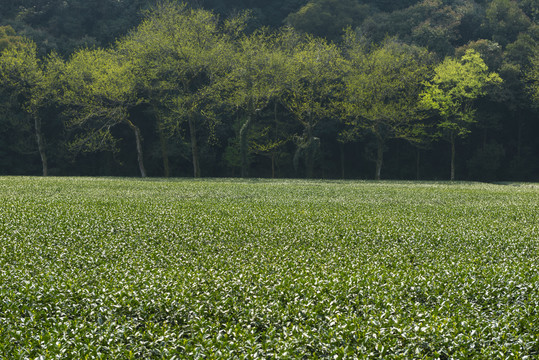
{"x": 309, "y": 162}
{"x": 341, "y": 150}
{"x": 379, "y": 158}
{"x": 309, "y": 154}
{"x": 194, "y": 147}
{"x": 276, "y": 123}
{"x": 273, "y": 165}
{"x": 164, "y": 150}
{"x": 417, "y": 163}
{"x": 244, "y": 146}
{"x": 519, "y": 137}
{"x": 41, "y": 145}
{"x": 452, "y": 157}
{"x": 138, "y": 139}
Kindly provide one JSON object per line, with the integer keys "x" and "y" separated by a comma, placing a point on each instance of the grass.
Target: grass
{"x": 155, "y": 269}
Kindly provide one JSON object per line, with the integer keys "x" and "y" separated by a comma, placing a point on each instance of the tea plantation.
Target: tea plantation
{"x": 155, "y": 269}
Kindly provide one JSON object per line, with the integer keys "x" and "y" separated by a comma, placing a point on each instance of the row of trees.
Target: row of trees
{"x": 184, "y": 82}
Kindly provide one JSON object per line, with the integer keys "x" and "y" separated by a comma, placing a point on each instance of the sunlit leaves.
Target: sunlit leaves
{"x": 99, "y": 90}
{"x": 31, "y": 83}
{"x": 382, "y": 88}
{"x": 19, "y": 66}
{"x": 178, "y": 53}
{"x": 315, "y": 73}
{"x": 451, "y": 92}
{"x": 8, "y": 37}
{"x": 381, "y": 94}
{"x": 99, "y": 84}
{"x": 455, "y": 84}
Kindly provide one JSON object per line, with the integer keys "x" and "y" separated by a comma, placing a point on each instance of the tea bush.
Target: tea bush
{"x": 155, "y": 269}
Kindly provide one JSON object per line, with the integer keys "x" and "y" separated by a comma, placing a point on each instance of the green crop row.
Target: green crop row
{"x": 155, "y": 269}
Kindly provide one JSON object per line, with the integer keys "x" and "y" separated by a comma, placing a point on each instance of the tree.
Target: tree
{"x": 271, "y": 134}
{"x": 258, "y": 75}
{"x": 314, "y": 81}
{"x": 517, "y": 110}
{"x": 328, "y": 18}
{"x": 177, "y": 53}
{"x": 29, "y": 82}
{"x": 439, "y": 28}
{"x": 99, "y": 91}
{"x": 7, "y": 37}
{"x": 504, "y": 20}
{"x": 490, "y": 51}
{"x": 530, "y": 8}
{"x": 434, "y": 24}
{"x": 533, "y": 78}
{"x": 381, "y": 95}
{"x": 451, "y": 92}
{"x": 64, "y": 26}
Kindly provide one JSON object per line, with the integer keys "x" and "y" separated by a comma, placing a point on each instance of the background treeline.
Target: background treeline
{"x": 411, "y": 89}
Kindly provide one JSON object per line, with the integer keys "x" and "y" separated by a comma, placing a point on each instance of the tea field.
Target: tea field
{"x": 284, "y": 269}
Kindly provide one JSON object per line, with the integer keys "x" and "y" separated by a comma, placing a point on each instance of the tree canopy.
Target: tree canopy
{"x": 456, "y": 83}
{"x": 382, "y": 91}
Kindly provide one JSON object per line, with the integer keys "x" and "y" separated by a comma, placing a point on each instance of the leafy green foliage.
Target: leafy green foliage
{"x": 454, "y": 85}
{"x": 314, "y": 83}
{"x": 533, "y": 76}
{"x": 434, "y": 24}
{"x": 451, "y": 92}
{"x": 382, "y": 92}
{"x": 21, "y": 71}
{"x": 99, "y": 90}
{"x": 258, "y": 75}
{"x": 31, "y": 84}
{"x": 66, "y": 26}
{"x": 7, "y": 37}
{"x": 328, "y": 18}
{"x": 178, "y": 54}
{"x": 115, "y": 268}
{"x": 505, "y": 20}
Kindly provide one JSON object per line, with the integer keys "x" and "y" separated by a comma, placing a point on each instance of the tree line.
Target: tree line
{"x": 190, "y": 92}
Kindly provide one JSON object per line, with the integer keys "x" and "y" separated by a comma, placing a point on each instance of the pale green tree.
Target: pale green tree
{"x": 177, "y": 53}
{"x": 99, "y": 90}
{"x": 257, "y": 76}
{"x": 29, "y": 81}
{"x": 382, "y": 90}
{"x": 8, "y": 37}
{"x": 315, "y": 73}
{"x": 451, "y": 93}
